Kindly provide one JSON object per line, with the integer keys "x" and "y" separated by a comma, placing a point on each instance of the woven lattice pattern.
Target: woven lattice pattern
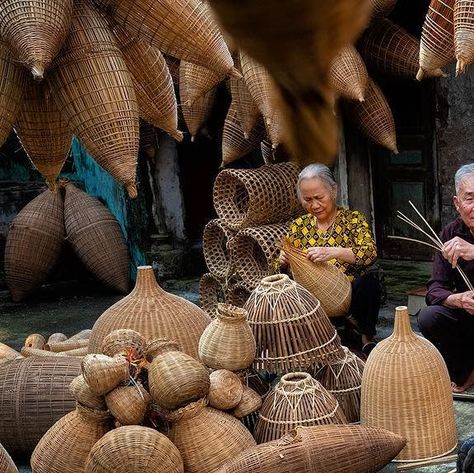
{"x": 35, "y": 30}
{"x": 96, "y": 237}
{"x": 463, "y": 33}
{"x": 94, "y": 91}
{"x": 348, "y": 75}
{"x": 382, "y": 8}
{"x": 406, "y": 389}
{"x": 173, "y": 66}
{"x": 196, "y": 115}
{"x": 254, "y": 249}
{"x": 211, "y": 292}
{"x": 374, "y": 117}
{"x": 237, "y": 293}
{"x": 6, "y": 463}
{"x": 215, "y": 242}
{"x": 267, "y": 152}
{"x": 251, "y": 197}
{"x": 42, "y": 131}
{"x": 34, "y": 388}
{"x": 134, "y": 448}
{"x": 83, "y": 394}
{"x": 195, "y": 81}
{"x": 128, "y": 404}
{"x": 225, "y": 391}
{"x": 291, "y": 330}
{"x": 34, "y": 243}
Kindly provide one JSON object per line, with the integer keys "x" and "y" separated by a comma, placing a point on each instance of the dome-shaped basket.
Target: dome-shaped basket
{"x": 128, "y": 404}
{"x": 215, "y": 242}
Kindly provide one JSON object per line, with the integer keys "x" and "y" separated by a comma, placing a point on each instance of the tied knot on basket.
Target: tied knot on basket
{"x": 136, "y": 362}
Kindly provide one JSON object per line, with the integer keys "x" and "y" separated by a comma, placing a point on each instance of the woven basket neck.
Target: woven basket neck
{"x": 159, "y": 347}
{"x": 298, "y": 379}
{"x": 229, "y": 313}
{"x": 93, "y": 415}
{"x": 276, "y": 281}
{"x": 188, "y": 412}
{"x": 146, "y": 284}
{"x": 402, "y": 329}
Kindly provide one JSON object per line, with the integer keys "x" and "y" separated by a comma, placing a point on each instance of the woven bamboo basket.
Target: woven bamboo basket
{"x": 94, "y": 91}
{"x": 463, "y": 34}
{"x": 35, "y": 340}
{"x": 34, "y": 243}
{"x": 291, "y": 330}
{"x": 211, "y": 292}
{"x": 81, "y": 335}
{"x": 277, "y": 128}
{"x": 215, "y": 243}
{"x": 42, "y": 131}
{"x": 196, "y": 115}
{"x": 173, "y": 66}
{"x": 374, "y": 117}
{"x": 7, "y": 353}
{"x": 329, "y": 285}
{"x": 55, "y": 337}
{"x": 267, "y": 152}
{"x": 152, "y": 82}
{"x": 343, "y": 379}
{"x": 298, "y": 400}
{"x": 406, "y": 389}
{"x": 67, "y": 345}
{"x": 154, "y": 313}
{"x": 251, "y": 197}
{"x": 228, "y": 342}
{"x": 66, "y": 445}
{"x": 382, "y": 8}
{"x": 148, "y": 142}
{"x": 128, "y": 404}
{"x": 27, "y": 351}
{"x": 225, "y": 391}
{"x": 33, "y": 388}
{"x": 329, "y": 448}
{"x": 83, "y": 394}
{"x": 174, "y": 378}
{"x": 437, "y": 38}
{"x": 122, "y": 341}
{"x": 103, "y": 373}
{"x": 206, "y": 437}
{"x": 6, "y": 463}
{"x": 134, "y": 449}
{"x": 253, "y": 251}
{"x": 237, "y": 293}
{"x": 250, "y": 402}
{"x": 96, "y": 237}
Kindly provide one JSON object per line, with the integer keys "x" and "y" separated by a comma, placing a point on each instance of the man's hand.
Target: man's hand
{"x": 463, "y": 300}
{"x": 283, "y": 259}
{"x": 319, "y": 254}
{"x": 457, "y": 248}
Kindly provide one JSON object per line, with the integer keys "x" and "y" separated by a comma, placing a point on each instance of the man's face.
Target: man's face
{"x": 464, "y": 201}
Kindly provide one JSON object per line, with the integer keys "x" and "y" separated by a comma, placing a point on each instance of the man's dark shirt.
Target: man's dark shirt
{"x": 446, "y": 280}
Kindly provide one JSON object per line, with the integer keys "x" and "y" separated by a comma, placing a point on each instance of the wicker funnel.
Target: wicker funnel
{"x": 196, "y": 115}
{"x": 134, "y": 449}
{"x": 463, "y": 34}
{"x": 291, "y": 330}
{"x": 34, "y": 243}
{"x": 215, "y": 242}
{"x": 154, "y": 313}
{"x": 6, "y": 463}
{"x": 406, "y": 389}
{"x": 94, "y": 91}
{"x": 33, "y": 388}
{"x": 103, "y": 373}
{"x": 324, "y": 448}
{"x": 96, "y": 237}
{"x": 211, "y": 292}
{"x": 196, "y": 81}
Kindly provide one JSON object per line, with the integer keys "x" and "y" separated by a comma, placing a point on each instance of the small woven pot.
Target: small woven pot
{"x": 228, "y": 342}
{"x": 225, "y": 391}
{"x": 250, "y": 402}
{"x": 134, "y": 449}
{"x": 83, "y": 394}
{"x": 121, "y": 341}
{"x": 35, "y": 340}
{"x": 174, "y": 378}
{"x": 128, "y": 404}
{"x": 103, "y": 373}
{"x": 6, "y": 463}
{"x": 206, "y": 437}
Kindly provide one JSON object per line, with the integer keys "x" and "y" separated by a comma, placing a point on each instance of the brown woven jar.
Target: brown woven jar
{"x": 123, "y": 340}
{"x": 103, "y": 373}
{"x": 134, "y": 449}
{"x": 225, "y": 391}
{"x": 6, "y": 463}
{"x": 228, "y": 342}
{"x": 174, "y": 378}
{"x": 66, "y": 445}
{"x": 154, "y": 313}
{"x": 83, "y": 394}
{"x": 128, "y": 404}
{"x": 206, "y": 437}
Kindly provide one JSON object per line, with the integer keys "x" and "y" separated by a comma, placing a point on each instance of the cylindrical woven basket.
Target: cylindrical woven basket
{"x": 96, "y": 237}
{"x": 83, "y": 394}
{"x": 7, "y": 353}
{"x": 103, "y": 373}
{"x": 154, "y": 313}
{"x": 406, "y": 389}
{"x": 6, "y": 463}
{"x": 27, "y": 351}
{"x": 298, "y": 400}
{"x": 122, "y": 341}
{"x": 328, "y": 448}
{"x": 215, "y": 242}
{"x": 34, "y": 243}
{"x": 35, "y": 340}
{"x": 343, "y": 379}
{"x": 225, "y": 391}
{"x": 94, "y": 91}
{"x": 34, "y": 388}
{"x": 228, "y": 342}
{"x": 207, "y": 437}
{"x": 329, "y": 285}
{"x": 67, "y": 345}
{"x": 251, "y": 197}
{"x": 291, "y": 330}
{"x": 128, "y": 404}
{"x": 237, "y": 293}
{"x": 197, "y": 114}
{"x": 134, "y": 449}
{"x": 463, "y": 34}
{"x": 81, "y": 335}
{"x": 211, "y": 292}
{"x": 55, "y": 337}
{"x": 253, "y": 251}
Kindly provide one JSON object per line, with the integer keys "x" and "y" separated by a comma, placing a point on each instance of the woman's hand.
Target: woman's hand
{"x": 283, "y": 259}
{"x": 319, "y": 254}
{"x": 457, "y": 248}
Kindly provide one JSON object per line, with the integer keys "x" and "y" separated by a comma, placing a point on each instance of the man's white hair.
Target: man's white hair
{"x": 461, "y": 174}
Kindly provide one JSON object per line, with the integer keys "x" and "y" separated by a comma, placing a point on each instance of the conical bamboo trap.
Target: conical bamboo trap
{"x": 35, "y": 30}
{"x": 463, "y": 34}
{"x": 251, "y": 197}
{"x": 196, "y": 115}
{"x": 406, "y": 389}
{"x": 291, "y": 330}
{"x": 215, "y": 241}
{"x": 253, "y": 251}
{"x": 6, "y": 463}
{"x": 35, "y": 340}
{"x": 329, "y": 285}
{"x": 211, "y": 292}
{"x": 83, "y": 394}
{"x": 298, "y": 400}
{"x": 34, "y": 243}
{"x": 343, "y": 379}
{"x": 95, "y": 93}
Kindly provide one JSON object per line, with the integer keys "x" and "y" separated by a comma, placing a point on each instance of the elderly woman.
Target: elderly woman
{"x": 448, "y": 321}
{"x": 341, "y": 237}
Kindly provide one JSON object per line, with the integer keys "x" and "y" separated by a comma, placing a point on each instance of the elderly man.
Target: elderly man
{"x": 448, "y": 321}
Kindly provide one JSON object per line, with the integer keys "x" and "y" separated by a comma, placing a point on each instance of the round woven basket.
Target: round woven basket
{"x": 211, "y": 292}
{"x": 6, "y": 463}
{"x": 35, "y": 340}
{"x": 128, "y": 404}
{"x": 250, "y": 402}
{"x": 225, "y": 391}
{"x": 197, "y": 114}
{"x": 103, "y": 373}
{"x": 291, "y": 330}
{"x": 206, "y": 437}
{"x": 463, "y": 34}
{"x": 122, "y": 341}
{"x": 134, "y": 449}
{"x": 343, "y": 379}
{"x": 251, "y": 197}
{"x": 228, "y": 342}
{"x": 215, "y": 242}
{"x": 406, "y": 389}
{"x": 83, "y": 394}
{"x": 154, "y": 313}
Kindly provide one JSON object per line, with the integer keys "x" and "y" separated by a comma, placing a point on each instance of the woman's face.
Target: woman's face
{"x": 318, "y": 199}
{"x": 464, "y": 201}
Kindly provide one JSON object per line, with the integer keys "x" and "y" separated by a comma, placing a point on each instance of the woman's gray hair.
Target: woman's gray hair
{"x": 461, "y": 174}
{"x": 316, "y": 171}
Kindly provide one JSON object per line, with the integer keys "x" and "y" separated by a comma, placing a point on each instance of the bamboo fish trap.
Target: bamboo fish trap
{"x": 216, "y": 238}
{"x": 211, "y": 292}
{"x": 463, "y": 34}
{"x": 196, "y": 115}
